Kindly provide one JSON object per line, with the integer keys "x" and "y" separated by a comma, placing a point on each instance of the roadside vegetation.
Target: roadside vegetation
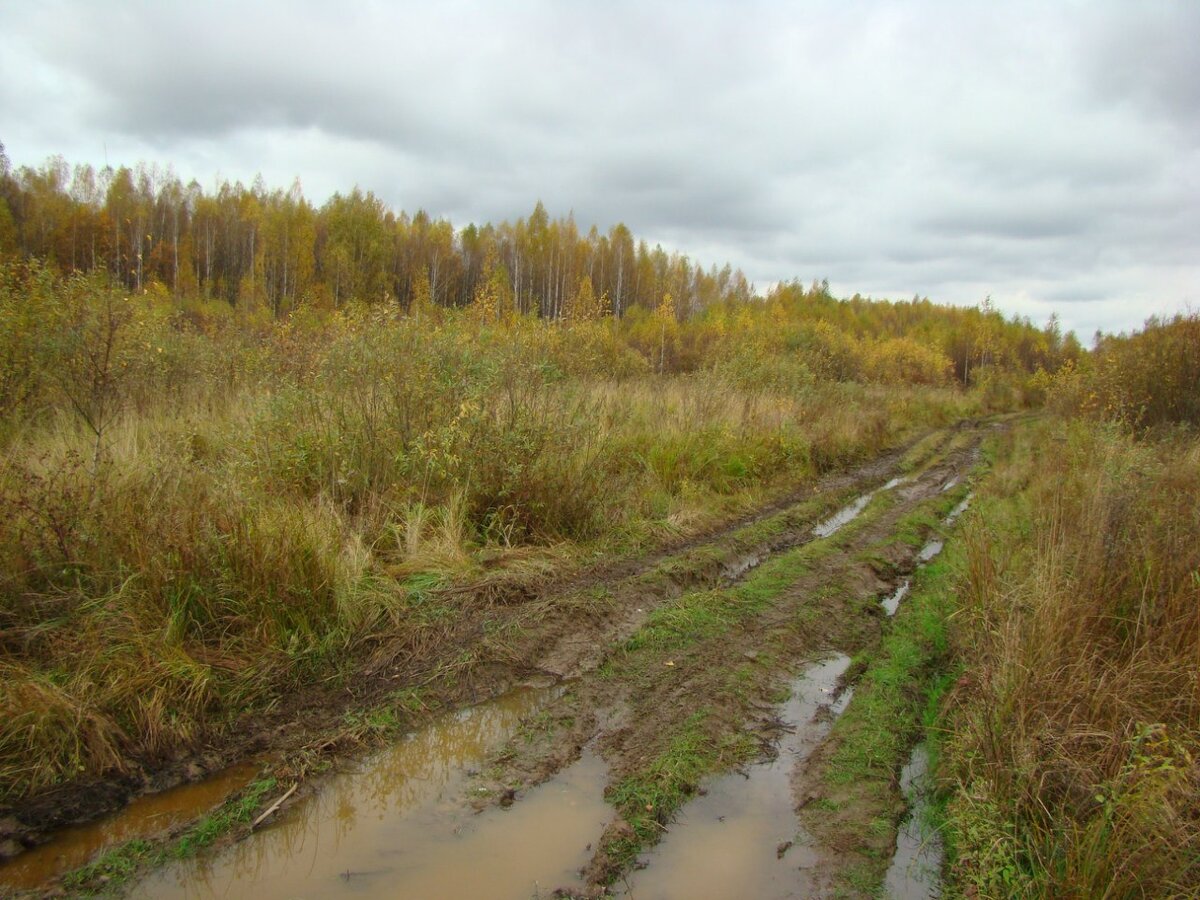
{"x": 202, "y": 511}
{"x": 1071, "y": 747}
{"x": 1051, "y": 653}
{"x": 235, "y": 467}
{"x": 286, "y": 471}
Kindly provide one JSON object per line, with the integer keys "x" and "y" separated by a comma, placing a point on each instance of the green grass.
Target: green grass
{"x": 871, "y": 741}
{"x": 118, "y": 866}
{"x": 648, "y": 800}
{"x": 239, "y": 811}
{"x": 878, "y": 727}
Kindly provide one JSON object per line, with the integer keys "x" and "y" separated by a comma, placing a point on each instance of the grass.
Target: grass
{"x": 118, "y": 866}
{"x": 702, "y": 615}
{"x": 856, "y": 775}
{"x": 1069, "y": 744}
{"x": 648, "y": 800}
{"x": 682, "y": 633}
{"x": 302, "y": 499}
{"x": 1048, "y": 657}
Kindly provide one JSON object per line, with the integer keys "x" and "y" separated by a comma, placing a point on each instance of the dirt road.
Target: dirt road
{"x": 653, "y": 677}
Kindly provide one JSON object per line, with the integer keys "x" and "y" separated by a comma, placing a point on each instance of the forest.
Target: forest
{"x": 267, "y": 462}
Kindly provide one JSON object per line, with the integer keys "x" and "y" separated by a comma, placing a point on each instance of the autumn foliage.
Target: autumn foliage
{"x": 1145, "y": 381}
{"x": 243, "y": 437}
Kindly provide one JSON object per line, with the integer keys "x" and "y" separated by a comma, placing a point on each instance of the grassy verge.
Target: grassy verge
{"x": 1070, "y": 743}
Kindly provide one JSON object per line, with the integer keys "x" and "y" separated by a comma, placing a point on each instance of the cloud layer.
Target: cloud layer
{"x": 1046, "y": 155}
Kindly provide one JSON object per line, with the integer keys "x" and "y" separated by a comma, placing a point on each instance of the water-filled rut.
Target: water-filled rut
{"x": 740, "y": 838}
{"x": 397, "y": 826}
{"x": 403, "y": 822}
{"x": 143, "y": 818}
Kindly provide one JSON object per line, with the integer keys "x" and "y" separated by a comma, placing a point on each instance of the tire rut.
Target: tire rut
{"x": 628, "y": 710}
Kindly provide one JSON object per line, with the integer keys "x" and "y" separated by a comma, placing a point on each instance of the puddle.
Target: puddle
{"x": 950, "y": 485}
{"x": 891, "y": 602}
{"x": 931, "y": 549}
{"x": 726, "y": 843}
{"x": 915, "y": 871}
{"x": 958, "y": 510}
{"x": 842, "y": 517}
{"x": 851, "y": 511}
{"x": 739, "y": 567}
{"x": 144, "y": 817}
{"x": 935, "y": 545}
{"x": 397, "y": 827}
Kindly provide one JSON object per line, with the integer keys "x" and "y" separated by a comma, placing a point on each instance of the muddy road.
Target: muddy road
{"x": 640, "y": 730}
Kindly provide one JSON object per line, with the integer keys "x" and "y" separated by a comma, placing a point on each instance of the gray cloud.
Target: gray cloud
{"x": 1047, "y": 155}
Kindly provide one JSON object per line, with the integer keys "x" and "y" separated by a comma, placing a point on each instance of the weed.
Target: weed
{"x": 1070, "y": 738}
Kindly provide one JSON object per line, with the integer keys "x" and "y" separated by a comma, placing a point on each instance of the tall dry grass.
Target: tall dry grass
{"x": 1073, "y": 743}
{"x": 200, "y": 513}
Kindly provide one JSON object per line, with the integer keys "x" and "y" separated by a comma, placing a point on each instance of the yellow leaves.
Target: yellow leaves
{"x": 585, "y": 306}
{"x": 666, "y": 308}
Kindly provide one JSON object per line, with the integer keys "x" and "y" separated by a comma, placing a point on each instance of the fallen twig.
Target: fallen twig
{"x": 274, "y": 806}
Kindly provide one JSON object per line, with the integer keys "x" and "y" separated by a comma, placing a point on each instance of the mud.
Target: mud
{"x": 145, "y": 817}
{"x": 397, "y": 825}
{"x": 834, "y": 603}
{"x": 914, "y": 873}
{"x": 935, "y": 545}
{"x": 573, "y": 629}
{"x": 842, "y": 517}
{"x": 739, "y": 838}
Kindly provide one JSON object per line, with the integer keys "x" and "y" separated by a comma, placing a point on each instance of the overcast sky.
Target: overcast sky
{"x": 1047, "y": 154}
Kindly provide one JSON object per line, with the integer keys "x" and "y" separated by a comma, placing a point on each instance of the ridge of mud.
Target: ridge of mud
{"x": 733, "y": 675}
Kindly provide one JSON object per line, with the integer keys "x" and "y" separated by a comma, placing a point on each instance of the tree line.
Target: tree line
{"x": 273, "y": 249}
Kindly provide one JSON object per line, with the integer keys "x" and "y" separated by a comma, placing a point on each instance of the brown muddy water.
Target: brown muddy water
{"x": 398, "y": 826}
{"x": 145, "y": 817}
{"x": 740, "y": 839}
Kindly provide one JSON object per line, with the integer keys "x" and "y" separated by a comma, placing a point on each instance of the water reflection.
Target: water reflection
{"x": 842, "y": 517}
{"x": 737, "y": 840}
{"x": 397, "y": 827}
{"x": 143, "y": 818}
{"x": 915, "y": 871}
{"x": 892, "y": 601}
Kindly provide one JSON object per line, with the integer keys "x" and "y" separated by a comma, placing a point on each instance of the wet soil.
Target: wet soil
{"x": 859, "y": 825}
{"x": 740, "y": 838}
{"x": 614, "y": 710}
{"x": 837, "y": 573}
